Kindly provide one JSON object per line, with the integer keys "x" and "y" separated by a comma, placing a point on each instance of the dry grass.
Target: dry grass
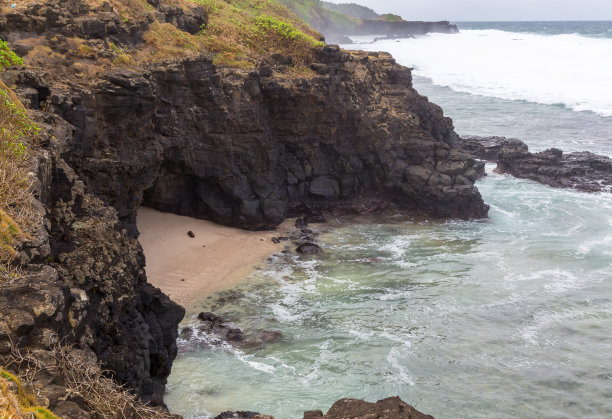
{"x": 163, "y": 41}
{"x": 82, "y": 375}
{"x": 16, "y": 402}
{"x": 17, "y": 135}
{"x": 239, "y": 33}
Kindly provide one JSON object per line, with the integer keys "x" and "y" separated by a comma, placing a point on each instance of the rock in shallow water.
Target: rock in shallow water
{"x": 242, "y": 415}
{"x": 583, "y": 170}
{"x": 308, "y": 249}
{"x": 390, "y": 408}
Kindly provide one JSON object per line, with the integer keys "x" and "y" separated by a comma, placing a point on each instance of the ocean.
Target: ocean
{"x": 499, "y": 318}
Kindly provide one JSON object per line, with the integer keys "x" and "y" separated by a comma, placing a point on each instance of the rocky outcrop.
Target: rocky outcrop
{"x": 85, "y": 285}
{"x": 240, "y": 147}
{"x": 390, "y": 408}
{"x": 583, "y": 171}
{"x": 489, "y": 148}
{"x": 251, "y": 148}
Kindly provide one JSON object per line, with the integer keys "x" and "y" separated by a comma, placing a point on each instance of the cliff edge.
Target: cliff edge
{"x": 153, "y": 106}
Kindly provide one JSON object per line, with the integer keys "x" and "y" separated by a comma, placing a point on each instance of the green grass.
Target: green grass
{"x": 17, "y": 133}
{"x": 238, "y": 32}
{"x": 390, "y": 17}
{"x": 313, "y": 13}
{"x": 16, "y": 402}
{"x": 7, "y": 56}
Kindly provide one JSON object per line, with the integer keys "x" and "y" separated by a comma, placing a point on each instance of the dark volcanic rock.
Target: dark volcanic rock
{"x": 242, "y": 415}
{"x": 584, "y": 171}
{"x": 308, "y": 249}
{"x": 352, "y": 135}
{"x": 315, "y": 219}
{"x": 243, "y": 148}
{"x": 390, "y": 408}
{"x": 488, "y": 148}
{"x": 220, "y": 327}
{"x": 209, "y": 317}
{"x": 580, "y": 170}
{"x": 479, "y": 167}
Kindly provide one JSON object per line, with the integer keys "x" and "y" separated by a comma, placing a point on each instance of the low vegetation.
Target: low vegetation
{"x": 316, "y": 15}
{"x": 8, "y": 57}
{"x": 80, "y": 374}
{"x": 16, "y": 402}
{"x": 17, "y": 134}
{"x": 390, "y": 17}
{"x": 238, "y": 32}
{"x": 351, "y": 9}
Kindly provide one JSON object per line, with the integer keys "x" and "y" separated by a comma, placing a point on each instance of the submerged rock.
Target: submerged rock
{"x": 390, "y": 408}
{"x": 242, "y": 415}
{"x": 308, "y": 249}
{"x": 209, "y": 317}
{"x": 315, "y": 219}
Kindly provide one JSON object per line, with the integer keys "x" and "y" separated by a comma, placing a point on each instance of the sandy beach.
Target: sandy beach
{"x": 217, "y": 258}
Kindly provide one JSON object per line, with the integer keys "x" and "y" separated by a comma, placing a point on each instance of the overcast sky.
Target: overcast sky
{"x": 467, "y": 10}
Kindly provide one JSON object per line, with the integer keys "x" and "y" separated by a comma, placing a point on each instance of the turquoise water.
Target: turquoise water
{"x": 508, "y": 317}
{"x": 499, "y": 318}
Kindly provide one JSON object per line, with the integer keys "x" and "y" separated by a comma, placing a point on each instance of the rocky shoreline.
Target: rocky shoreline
{"x": 245, "y": 148}
{"x": 584, "y": 171}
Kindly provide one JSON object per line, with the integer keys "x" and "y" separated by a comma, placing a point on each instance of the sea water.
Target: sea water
{"x": 498, "y": 318}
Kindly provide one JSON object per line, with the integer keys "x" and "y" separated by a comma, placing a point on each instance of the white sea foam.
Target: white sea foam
{"x": 570, "y": 69}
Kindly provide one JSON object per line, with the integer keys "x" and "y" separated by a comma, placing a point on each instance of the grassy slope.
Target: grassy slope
{"x": 351, "y": 9}
{"x": 239, "y": 33}
{"x": 17, "y": 133}
{"x": 313, "y": 13}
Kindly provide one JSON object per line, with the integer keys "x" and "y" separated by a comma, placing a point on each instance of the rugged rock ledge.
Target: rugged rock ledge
{"x": 244, "y": 148}
{"x": 251, "y": 148}
{"x": 583, "y": 171}
{"x": 390, "y": 408}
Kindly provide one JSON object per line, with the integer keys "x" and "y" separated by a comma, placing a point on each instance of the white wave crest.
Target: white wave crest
{"x": 569, "y": 70}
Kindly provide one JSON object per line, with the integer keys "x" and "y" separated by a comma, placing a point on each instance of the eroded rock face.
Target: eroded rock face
{"x": 249, "y": 149}
{"x": 243, "y": 148}
{"x": 85, "y": 285}
{"x": 390, "y": 408}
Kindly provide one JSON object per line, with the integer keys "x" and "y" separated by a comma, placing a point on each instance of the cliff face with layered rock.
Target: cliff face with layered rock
{"x": 248, "y": 148}
{"x": 251, "y": 148}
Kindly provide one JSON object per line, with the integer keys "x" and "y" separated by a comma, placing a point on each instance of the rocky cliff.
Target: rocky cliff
{"x": 337, "y": 21}
{"x": 251, "y": 148}
{"x": 345, "y": 133}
